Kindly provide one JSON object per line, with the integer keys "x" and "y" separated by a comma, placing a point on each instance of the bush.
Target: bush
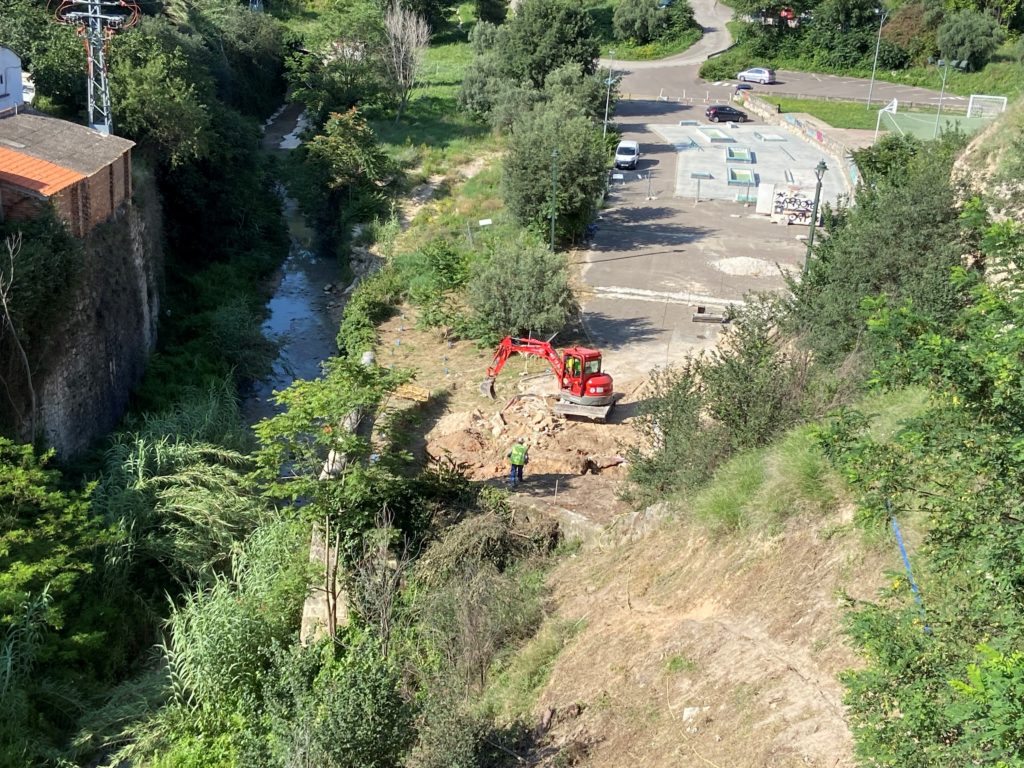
{"x": 582, "y": 169}
{"x": 970, "y": 36}
{"x": 639, "y": 20}
{"x": 521, "y": 288}
{"x": 738, "y": 396}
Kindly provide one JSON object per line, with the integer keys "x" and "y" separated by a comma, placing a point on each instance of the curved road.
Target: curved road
{"x": 676, "y": 77}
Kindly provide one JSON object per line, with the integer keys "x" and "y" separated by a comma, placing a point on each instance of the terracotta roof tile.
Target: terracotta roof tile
{"x": 37, "y": 175}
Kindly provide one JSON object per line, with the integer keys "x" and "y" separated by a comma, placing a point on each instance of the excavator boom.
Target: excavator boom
{"x": 509, "y": 346}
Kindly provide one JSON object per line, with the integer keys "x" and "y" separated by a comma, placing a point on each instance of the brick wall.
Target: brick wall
{"x": 84, "y": 205}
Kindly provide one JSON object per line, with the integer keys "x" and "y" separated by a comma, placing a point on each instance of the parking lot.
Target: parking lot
{"x": 657, "y": 257}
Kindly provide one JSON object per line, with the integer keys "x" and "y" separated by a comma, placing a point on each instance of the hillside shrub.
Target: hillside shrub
{"x": 520, "y": 288}
{"x": 738, "y": 396}
{"x": 970, "y": 36}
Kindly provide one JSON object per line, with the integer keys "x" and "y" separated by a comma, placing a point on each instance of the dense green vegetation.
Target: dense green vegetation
{"x": 151, "y": 597}
{"x": 642, "y": 29}
{"x": 841, "y": 37}
{"x": 913, "y": 296}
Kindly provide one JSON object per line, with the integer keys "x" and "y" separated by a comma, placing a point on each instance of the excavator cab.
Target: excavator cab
{"x": 583, "y": 381}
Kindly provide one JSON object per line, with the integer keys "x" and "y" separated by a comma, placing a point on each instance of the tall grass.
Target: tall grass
{"x": 513, "y": 692}
{"x": 759, "y": 490}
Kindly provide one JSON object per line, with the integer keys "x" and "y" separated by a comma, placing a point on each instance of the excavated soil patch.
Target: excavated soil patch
{"x": 574, "y": 465}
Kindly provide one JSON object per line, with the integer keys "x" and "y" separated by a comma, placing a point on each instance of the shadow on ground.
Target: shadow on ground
{"x": 613, "y": 332}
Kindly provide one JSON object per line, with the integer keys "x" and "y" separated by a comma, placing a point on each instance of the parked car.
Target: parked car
{"x": 718, "y": 113}
{"x": 626, "y": 155}
{"x": 744, "y": 87}
{"x": 760, "y": 75}
{"x": 665, "y": 3}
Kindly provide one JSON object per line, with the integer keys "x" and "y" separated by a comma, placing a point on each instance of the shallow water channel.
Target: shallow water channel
{"x": 302, "y": 318}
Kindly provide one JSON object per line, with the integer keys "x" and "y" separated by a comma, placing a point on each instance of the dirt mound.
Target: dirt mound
{"x": 482, "y": 442}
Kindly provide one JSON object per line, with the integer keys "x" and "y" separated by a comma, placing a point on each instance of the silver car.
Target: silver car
{"x": 761, "y": 75}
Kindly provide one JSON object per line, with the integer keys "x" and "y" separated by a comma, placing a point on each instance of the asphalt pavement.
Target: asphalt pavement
{"x": 656, "y": 259}
{"x": 658, "y": 263}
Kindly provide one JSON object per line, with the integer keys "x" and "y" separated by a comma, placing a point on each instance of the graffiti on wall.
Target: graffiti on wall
{"x": 792, "y": 206}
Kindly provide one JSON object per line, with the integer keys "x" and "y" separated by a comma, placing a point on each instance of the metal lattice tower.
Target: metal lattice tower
{"x": 97, "y": 21}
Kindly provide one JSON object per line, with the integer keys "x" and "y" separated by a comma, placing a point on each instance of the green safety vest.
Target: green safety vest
{"x": 518, "y": 454}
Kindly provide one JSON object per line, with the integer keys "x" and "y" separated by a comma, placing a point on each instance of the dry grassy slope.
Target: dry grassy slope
{"x": 983, "y": 166}
{"x": 711, "y": 652}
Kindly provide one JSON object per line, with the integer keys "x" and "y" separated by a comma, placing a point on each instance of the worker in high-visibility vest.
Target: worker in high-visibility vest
{"x": 518, "y": 458}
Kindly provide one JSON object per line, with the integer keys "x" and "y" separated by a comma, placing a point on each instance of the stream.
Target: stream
{"x": 302, "y": 317}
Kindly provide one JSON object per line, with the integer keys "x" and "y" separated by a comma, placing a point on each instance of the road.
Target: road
{"x": 676, "y": 76}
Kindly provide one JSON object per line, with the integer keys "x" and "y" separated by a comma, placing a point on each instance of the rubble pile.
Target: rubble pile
{"x": 557, "y": 446}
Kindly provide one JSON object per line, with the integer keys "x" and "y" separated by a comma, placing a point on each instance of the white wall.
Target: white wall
{"x": 11, "y": 94}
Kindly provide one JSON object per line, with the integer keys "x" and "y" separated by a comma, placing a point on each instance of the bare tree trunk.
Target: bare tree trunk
{"x": 13, "y": 244}
{"x": 407, "y": 35}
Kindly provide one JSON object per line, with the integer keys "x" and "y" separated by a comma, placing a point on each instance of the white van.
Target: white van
{"x": 626, "y": 155}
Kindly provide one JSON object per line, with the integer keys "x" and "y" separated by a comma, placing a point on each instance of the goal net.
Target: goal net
{"x": 886, "y": 118}
{"x": 980, "y": 105}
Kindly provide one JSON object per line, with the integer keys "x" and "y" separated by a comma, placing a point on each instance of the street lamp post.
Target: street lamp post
{"x": 554, "y": 195}
{"x": 608, "y": 92}
{"x": 942, "y": 93}
{"x": 878, "y": 43}
{"x": 819, "y": 172}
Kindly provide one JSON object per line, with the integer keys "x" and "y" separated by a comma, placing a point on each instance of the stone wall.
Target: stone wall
{"x": 96, "y": 353}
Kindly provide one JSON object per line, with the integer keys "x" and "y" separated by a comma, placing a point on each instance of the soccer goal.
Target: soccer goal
{"x": 980, "y": 105}
{"x": 886, "y": 113}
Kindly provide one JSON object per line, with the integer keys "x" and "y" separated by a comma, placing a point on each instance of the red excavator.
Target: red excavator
{"x": 585, "y": 390}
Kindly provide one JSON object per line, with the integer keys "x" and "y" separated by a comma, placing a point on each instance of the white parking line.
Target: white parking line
{"x": 660, "y": 297}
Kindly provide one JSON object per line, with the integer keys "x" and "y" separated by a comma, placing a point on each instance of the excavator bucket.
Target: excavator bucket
{"x": 487, "y": 387}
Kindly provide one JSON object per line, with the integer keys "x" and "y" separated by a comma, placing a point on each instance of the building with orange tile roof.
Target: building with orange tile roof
{"x": 86, "y": 175}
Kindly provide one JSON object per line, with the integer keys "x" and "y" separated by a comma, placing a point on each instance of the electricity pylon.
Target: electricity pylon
{"x": 96, "y": 22}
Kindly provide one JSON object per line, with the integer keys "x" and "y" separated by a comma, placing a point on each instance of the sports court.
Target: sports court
{"x": 927, "y": 124}
{"x": 729, "y": 161}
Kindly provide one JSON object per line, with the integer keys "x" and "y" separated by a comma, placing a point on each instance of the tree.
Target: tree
{"x": 582, "y": 168}
{"x": 521, "y": 288}
{"x": 156, "y": 99}
{"x": 542, "y": 36}
{"x": 344, "y": 65}
{"x": 902, "y": 238}
{"x": 349, "y": 152}
{"x": 492, "y": 11}
{"x": 407, "y": 36}
{"x": 639, "y": 20}
{"x": 970, "y": 36}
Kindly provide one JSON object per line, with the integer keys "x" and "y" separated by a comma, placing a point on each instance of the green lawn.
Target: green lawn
{"x": 850, "y": 114}
{"x": 838, "y": 114}
{"x": 434, "y": 133}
